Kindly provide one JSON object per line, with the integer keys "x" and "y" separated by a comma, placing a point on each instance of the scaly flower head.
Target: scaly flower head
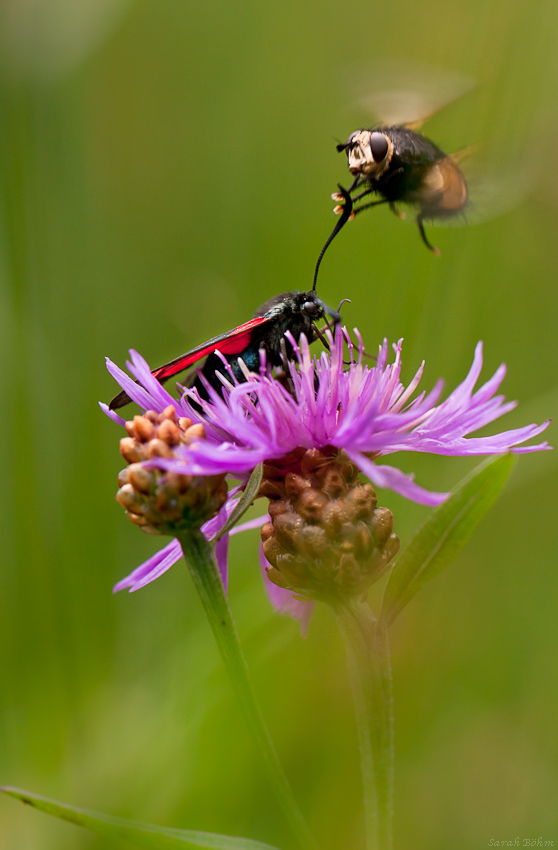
{"x": 326, "y": 537}
{"x": 157, "y": 500}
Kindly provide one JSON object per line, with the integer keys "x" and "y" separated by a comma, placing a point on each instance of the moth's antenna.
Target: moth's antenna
{"x": 345, "y": 216}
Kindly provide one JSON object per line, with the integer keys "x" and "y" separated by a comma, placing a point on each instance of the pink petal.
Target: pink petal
{"x": 151, "y": 569}
{"x": 160, "y": 397}
{"x": 251, "y": 523}
{"x": 111, "y": 414}
{"x": 390, "y": 478}
{"x": 135, "y": 391}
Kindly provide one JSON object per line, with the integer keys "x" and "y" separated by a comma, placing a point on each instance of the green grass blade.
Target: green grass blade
{"x": 444, "y": 533}
{"x": 142, "y": 834}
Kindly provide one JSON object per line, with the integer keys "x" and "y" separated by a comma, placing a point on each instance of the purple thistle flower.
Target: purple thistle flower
{"x": 363, "y": 410}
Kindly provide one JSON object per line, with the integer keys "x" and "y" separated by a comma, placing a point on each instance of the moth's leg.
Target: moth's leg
{"x": 320, "y": 335}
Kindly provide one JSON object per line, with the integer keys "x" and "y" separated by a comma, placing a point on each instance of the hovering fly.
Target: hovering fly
{"x": 401, "y": 165}
{"x": 393, "y": 163}
{"x": 297, "y": 312}
{"x": 397, "y": 165}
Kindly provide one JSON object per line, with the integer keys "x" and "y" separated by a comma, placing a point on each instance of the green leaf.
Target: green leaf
{"x": 444, "y": 533}
{"x": 250, "y": 492}
{"x": 143, "y": 834}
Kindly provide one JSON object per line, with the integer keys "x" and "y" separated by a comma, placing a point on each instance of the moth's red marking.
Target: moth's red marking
{"x": 232, "y": 342}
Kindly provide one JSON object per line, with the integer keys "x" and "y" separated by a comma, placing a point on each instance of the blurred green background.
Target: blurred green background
{"x": 166, "y": 167}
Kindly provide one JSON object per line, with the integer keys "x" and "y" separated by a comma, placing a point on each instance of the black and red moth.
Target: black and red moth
{"x": 296, "y": 312}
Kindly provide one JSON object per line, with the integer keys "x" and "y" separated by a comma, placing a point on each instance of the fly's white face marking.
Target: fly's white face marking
{"x": 361, "y": 156}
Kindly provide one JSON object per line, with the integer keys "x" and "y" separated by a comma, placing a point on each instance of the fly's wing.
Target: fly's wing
{"x": 395, "y": 93}
{"x": 232, "y": 342}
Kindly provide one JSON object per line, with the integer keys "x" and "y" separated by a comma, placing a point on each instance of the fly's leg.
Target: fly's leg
{"x": 363, "y": 194}
{"x": 340, "y": 207}
{"x": 371, "y": 189}
{"x": 371, "y": 204}
{"x": 339, "y": 196}
{"x": 399, "y": 213}
{"x": 430, "y": 247}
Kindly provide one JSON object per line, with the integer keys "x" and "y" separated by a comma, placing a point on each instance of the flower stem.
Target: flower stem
{"x": 203, "y": 569}
{"x": 370, "y": 673}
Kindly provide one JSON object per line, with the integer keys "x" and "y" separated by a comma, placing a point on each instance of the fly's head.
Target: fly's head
{"x": 369, "y": 152}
